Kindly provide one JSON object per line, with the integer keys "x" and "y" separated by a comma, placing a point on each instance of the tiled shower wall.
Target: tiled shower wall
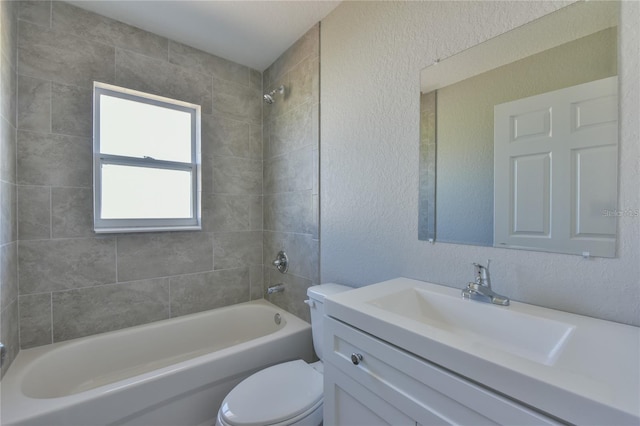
{"x": 291, "y": 160}
{"x": 8, "y": 192}
{"x": 73, "y": 283}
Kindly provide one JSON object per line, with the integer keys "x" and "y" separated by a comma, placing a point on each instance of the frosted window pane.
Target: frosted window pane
{"x": 136, "y": 129}
{"x": 130, "y": 192}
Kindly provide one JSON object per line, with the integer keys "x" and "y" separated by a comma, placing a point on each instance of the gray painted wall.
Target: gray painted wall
{"x": 372, "y": 53}
{"x": 73, "y": 283}
{"x": 8, "y": 191}
{"x": 291, "y": 142}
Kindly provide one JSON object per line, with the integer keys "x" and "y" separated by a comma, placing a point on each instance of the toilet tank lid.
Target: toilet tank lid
{"x": 319, "y": 292}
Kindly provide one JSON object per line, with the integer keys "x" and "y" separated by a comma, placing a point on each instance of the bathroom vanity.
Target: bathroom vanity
{"x": 406, "y": 352}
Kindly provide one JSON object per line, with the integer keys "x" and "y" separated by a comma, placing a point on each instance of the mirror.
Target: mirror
{"x": 518, "y": 137}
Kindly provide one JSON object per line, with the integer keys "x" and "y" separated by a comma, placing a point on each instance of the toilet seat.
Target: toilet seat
{"x": 281, "y": 394}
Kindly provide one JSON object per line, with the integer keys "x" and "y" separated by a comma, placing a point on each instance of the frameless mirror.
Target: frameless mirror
{"x": 519, "y": 137}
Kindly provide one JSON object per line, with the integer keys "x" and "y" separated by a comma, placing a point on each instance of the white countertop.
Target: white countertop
{"x": 593, "y": 379}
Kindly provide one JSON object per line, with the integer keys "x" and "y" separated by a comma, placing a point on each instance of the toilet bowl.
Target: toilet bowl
{"x": 290, "y": 393}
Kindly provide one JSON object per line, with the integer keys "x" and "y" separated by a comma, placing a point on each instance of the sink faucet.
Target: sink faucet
{"x": 480, "y": 290}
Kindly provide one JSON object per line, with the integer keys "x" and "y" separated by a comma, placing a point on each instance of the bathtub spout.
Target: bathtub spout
{"x": 278, "y": 288}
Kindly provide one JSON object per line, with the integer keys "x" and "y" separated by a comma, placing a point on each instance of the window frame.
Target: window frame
{"x": 145, "y": 224}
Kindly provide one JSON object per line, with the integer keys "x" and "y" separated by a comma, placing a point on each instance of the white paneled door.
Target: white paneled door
{"x": 556, "y": 168}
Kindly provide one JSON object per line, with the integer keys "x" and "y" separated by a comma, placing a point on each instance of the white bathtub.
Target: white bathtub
{"x": 172, "y": 372}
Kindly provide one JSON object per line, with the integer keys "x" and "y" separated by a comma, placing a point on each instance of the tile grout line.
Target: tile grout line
{"x": 116, "y": 259}
{"x": 50, "y": 213}
{"x": 51, "y": 314}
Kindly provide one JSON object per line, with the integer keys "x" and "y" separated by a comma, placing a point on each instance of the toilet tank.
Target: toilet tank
{"x": 316, "y": 294}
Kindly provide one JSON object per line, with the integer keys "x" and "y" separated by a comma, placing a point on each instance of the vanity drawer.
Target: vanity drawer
{"x": 421, "y": 390}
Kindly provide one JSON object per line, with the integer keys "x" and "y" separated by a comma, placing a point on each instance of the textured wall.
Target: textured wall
{"x": 8, "y": 191}
{"x": 465, "y": 152}
{"x": 372, "y": 53}
{"x": 73, "y": 283}
{"x": 291, "y": 141}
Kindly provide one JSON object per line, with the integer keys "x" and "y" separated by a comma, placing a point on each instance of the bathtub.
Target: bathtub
{"x": 172, "y": 372}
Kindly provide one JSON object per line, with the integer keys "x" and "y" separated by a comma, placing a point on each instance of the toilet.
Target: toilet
{"x": 290, "y": 393}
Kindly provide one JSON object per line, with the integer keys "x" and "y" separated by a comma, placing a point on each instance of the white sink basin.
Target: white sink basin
{"x": 535, "y": 338}
{"x": 576, "y": 368}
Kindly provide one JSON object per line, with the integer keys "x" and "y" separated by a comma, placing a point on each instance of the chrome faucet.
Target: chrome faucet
{"x": 480, "y": 290}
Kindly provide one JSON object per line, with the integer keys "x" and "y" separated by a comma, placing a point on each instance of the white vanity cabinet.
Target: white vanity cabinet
{"x": 388, "y": 385}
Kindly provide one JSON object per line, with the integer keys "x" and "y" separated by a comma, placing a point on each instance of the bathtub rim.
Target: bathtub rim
{"x": 18, "y": 407}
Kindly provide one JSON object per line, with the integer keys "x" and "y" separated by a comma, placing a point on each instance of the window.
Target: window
{"x": 146, "y": 153}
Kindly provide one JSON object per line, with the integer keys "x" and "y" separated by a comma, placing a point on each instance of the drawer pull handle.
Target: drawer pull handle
{"x": 356, "y": 358}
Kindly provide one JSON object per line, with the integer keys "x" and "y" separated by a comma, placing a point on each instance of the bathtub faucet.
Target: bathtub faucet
{"x": 278, "y": 288}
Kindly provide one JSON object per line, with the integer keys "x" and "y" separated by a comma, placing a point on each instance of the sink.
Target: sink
{"x": 535, "y": 338}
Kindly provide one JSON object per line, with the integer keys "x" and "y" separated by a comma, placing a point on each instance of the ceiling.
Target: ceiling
{"x": 251, "y": 33}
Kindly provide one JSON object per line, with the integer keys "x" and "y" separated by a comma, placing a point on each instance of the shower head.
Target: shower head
{"x": 269, "y": 97}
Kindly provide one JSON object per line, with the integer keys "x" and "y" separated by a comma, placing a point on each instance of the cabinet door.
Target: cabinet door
{"x": 348, "y": 403}
{"x": 413, "y": 386}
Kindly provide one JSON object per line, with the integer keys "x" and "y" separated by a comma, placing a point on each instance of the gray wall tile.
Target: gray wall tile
{"x": 307, "y": 45}
{"x": 169, "y": 80}
{"x": 256, "y": 276}
{"x": 51, "y": 265}
{"x": 210, "y": 290}
{"x": 8, "y": 30}
{"x": 255, "y": 79}
{"x": 304, "y": 83}
{"x": 233, "y": 175}
{"x": 34, "y": 212}
{"x": 237, "y": 249}
{"x": 8, "y": 88}
{"x": 71, "y": 110}
{"x": 266, "y": 132}
{"x": 255, "y": 140}
{"x": 63, "y": 58}
{"x": 163, "y": 254}
{"x": 58, "y": 62}
{"x": 222, "y": 136}
{"x": 34, "y": 104}
{"x": 7, "y": 152}
{"x": 276, "y": 174}
{"x": 91, "y": 26}
{"x": 9, "y": 321}
{"x": 35, "y": 320}
{"x": 291, "y": 163}
{"x": 206, "y": 175}
{"x": 289, "y": 172}
{"x": 36, "y": 11}
{"x": 227, "y": 212}
{"x": 9, "y": 333}
{"x": 207, "y": 63}
{"x": 72, "y": 212}
{"x": 8, "y": 274}
{"x": 237, "y": 102}
{"x": 8, "y": 212}
{"x": 315, "y": 217}
{"x": 87, "y": 311}
{"x": 289, "y": 212}
{"x": 294, "y": 130}
{"x": 256, "y": 208}
{"x": 57, "y": 160}
{"x": 315, "y": 176}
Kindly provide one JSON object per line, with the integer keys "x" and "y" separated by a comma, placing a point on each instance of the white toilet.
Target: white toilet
{"x": 285, "y": 394}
